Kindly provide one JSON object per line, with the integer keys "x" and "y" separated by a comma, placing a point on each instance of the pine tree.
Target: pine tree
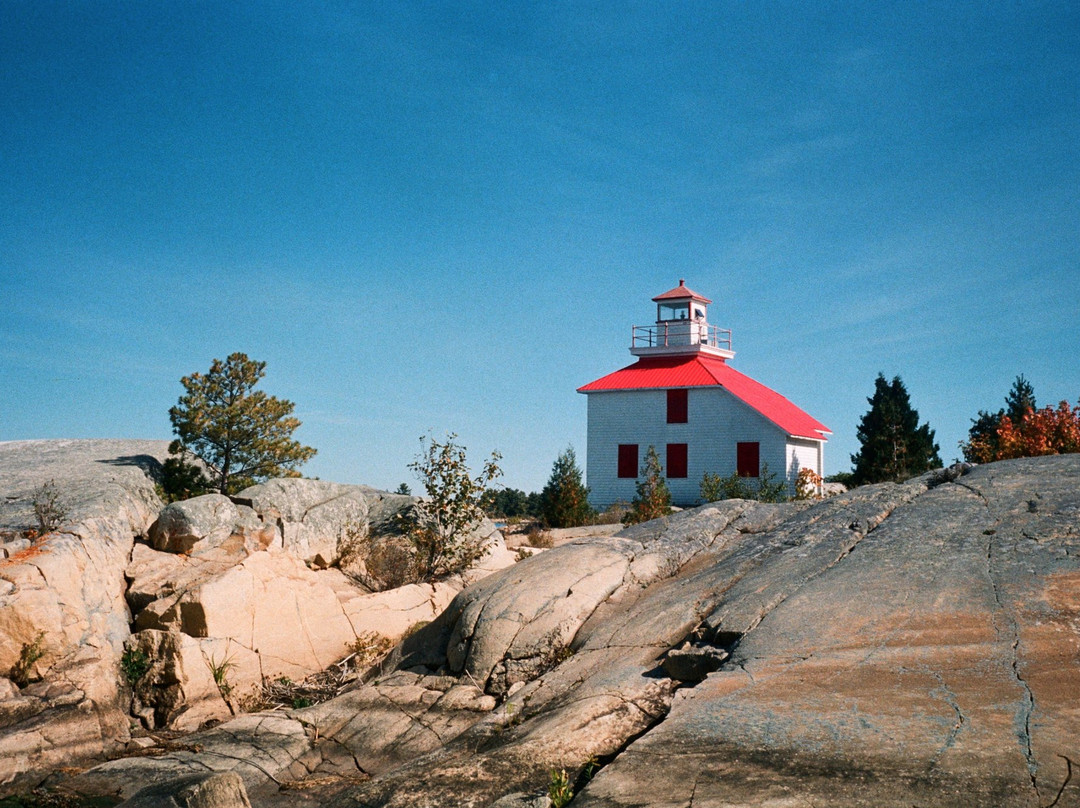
{"x": 564, "y": 502}
{"x": 893, "y": 445}
{"x": 653, "y": 498}
{"x": 240, "y": 433}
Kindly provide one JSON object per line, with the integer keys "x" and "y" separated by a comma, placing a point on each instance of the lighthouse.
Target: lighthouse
{"x": 683, "y": 398}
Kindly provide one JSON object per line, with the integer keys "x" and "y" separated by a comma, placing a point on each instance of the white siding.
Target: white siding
{"x": 716, "y": 422}
{"x": 802, "y": 454}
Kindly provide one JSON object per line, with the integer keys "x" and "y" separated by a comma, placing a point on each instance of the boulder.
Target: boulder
{"x": 511, "y": 626}
{"x": 222, "y": 790}
{"x": 313, "y": 516}
{"x": 197, "y": 525}
{"x": 262, "y": 750}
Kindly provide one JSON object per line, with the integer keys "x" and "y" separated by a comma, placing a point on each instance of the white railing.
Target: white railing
{"x": 680, "y": 332}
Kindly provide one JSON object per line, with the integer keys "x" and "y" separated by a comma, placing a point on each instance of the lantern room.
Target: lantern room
{"x": 680, "y": 303}
{"x": 681, "y": 327}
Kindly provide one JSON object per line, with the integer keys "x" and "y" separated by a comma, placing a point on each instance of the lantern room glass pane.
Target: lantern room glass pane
{"x": 673, "y": 311}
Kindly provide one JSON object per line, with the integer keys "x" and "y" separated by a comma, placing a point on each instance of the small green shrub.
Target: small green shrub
{"x": 653, "y": 498}
{"x": 182, "y": 480}
{"x": 48, "y": 509}
{"x": 31, "y": 652}
{"x": 560, "y": 790}
{"x": 614, "y": 514}
{"x": 766, "y": 488}
{"x": 134, "y": 663}
{"x": 564, "y": 502}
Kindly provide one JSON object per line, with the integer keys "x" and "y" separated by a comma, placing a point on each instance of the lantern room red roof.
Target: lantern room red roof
{"x": 681, "y": 292}
{"x": 702, "y": 370}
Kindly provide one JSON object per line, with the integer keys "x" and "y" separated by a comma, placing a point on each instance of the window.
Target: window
{"x": 746, "y": 459}
{"x": 673, "y": 311}
{"x": 628, "y": 460}
{"x": 676, "y": 460}
{"x": 676, "y": 406}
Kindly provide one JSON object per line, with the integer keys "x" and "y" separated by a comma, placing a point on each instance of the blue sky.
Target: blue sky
{"x": 446, "y": 216}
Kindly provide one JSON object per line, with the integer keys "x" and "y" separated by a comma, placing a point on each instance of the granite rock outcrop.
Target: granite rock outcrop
{"x": 896, "y": 645}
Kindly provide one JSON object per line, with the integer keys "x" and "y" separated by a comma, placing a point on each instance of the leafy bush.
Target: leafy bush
{"x": 808, "y": 484}
{"x": 715, "y": 488}
{"x": 440, "y": 526}
{"x": 769, "y": 488}
{"x": 764, "y": 488}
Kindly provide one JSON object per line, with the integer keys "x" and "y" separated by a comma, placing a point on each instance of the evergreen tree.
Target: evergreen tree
{"x": 1020, "y": 400}
{"x": 506, "y": 503}
{"x": 564, "y": 502}
{"x": 241, "y": 434}
{"x": 983, "y": 444}
{"x": 893, "y": 445}
{"x": 653, "y": 498}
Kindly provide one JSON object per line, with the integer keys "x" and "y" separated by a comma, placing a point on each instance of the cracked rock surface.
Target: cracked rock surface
{"x": 899, "y": 645}
{"x": 68, "y": 588}
{"x": 912, "y": 644}
{"x": 927, "y": 657}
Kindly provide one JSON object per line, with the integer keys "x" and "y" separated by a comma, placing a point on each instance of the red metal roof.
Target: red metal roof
{"x": 701, "y": 370}
{"x": 681, "y": 292}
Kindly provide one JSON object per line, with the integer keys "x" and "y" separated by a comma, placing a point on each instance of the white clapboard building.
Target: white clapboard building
{"x": 683, "y": 397}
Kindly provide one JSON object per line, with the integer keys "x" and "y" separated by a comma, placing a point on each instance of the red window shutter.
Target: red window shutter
{"x": 676, "y": 460}
{"x": 677, "y": 406}
{"x": 628, "y": 460}
{"x": 746, "y": 459}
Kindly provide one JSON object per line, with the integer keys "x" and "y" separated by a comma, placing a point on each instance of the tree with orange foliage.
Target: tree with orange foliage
{"x": 1041, "y": 432}
{"x": 982, "y": 443}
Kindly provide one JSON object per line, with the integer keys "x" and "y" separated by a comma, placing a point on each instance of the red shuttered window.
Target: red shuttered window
{"x": 628, "y": 460}
{"x": 746, "y": 459}
{"x": 676, "y": 460}
{"x": 677, "y": 406}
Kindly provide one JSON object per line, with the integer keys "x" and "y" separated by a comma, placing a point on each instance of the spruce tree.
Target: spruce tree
{"x": 1020, "y": 400}
{"x": 564, "y": 502}
{"x": 894, "y": 446}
